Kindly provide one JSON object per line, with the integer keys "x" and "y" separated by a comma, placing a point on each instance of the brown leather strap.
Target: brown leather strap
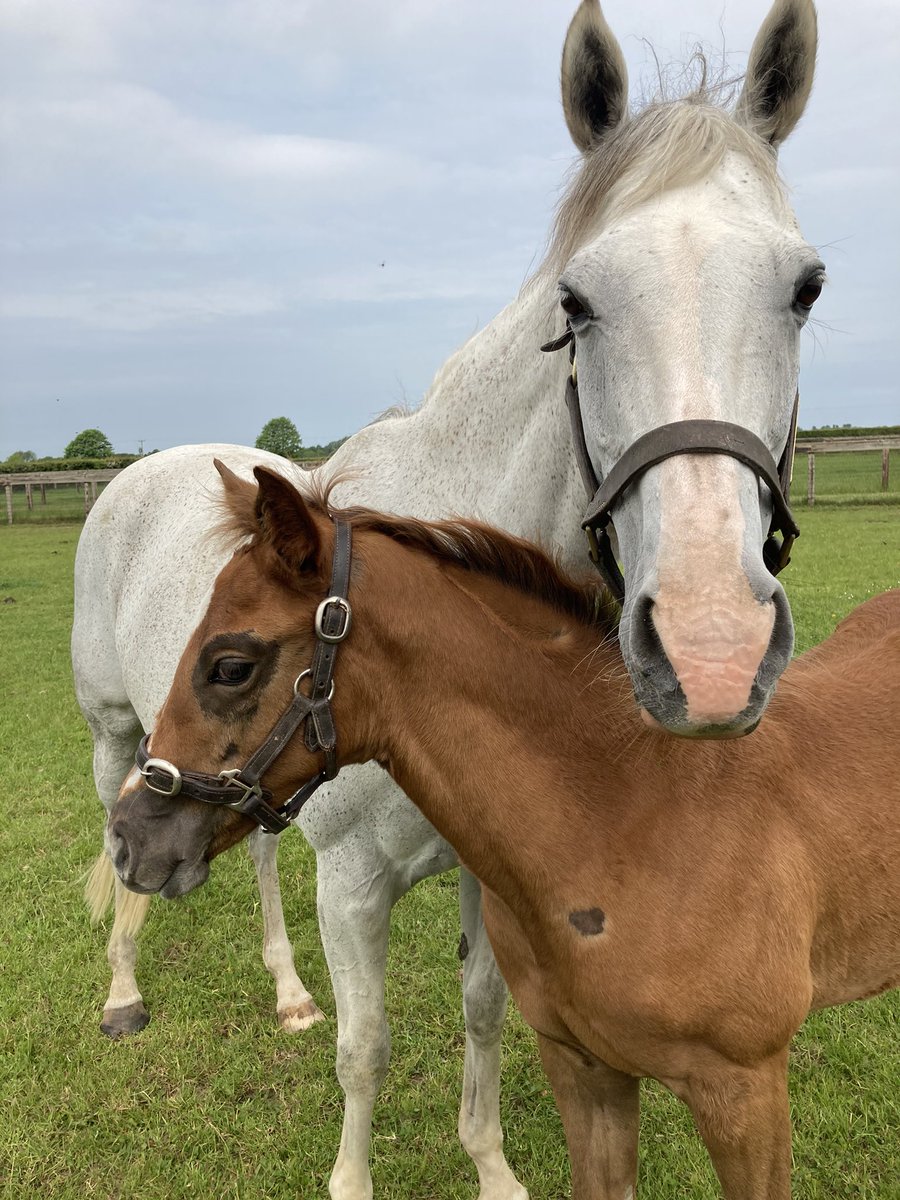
{"x": 690, "y": 437}
{"x": 654, "y": 447}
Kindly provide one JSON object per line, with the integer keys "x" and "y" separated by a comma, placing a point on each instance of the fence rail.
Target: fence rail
{"x": 843, "y": 445}
{"x": 31, "y": 480}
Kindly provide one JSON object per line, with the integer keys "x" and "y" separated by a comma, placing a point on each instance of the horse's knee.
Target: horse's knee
{"x": 485, "y": 998}
{"x": 363, "y": 1055}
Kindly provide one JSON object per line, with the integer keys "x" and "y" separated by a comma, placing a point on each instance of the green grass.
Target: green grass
{"x": 210, "y": 1099}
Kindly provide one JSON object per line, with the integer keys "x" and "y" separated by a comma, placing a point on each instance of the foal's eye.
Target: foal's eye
{"x": 571, "y": 305}
{"x": 231, "y": 671}
{"x": 808, "y": 293}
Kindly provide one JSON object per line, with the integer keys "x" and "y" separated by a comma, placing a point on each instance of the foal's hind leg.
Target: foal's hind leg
{"x": 743, "y": 1117}
{"x": 599, "y": 1107}
{"x": 296, "y": 1008}
{"x": 484, "y": 1007}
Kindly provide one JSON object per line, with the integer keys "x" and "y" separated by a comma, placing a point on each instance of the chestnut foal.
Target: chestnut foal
{"x": 658, "y": 908}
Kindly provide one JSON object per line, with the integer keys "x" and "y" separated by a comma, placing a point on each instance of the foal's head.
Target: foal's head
{"x": 234, "y": 680}
{"x": 686, "y": 281}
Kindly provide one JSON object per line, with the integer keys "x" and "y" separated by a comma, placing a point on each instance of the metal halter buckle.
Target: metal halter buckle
{"x": 247, "y": 790}
{"x": 322, "y": 612}
{"x": 167, "y": 768}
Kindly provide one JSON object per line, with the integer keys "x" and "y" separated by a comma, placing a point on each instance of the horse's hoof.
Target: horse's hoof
{"x": 119, "y": 1022}
{"x": 299, "y": 1016}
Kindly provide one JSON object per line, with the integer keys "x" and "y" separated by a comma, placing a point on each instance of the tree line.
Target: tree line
{"x": 92, "y": 449}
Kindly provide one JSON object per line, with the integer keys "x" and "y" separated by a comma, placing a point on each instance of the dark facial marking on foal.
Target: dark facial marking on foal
{"x": 236, "y": 702}
{"x": 588, "y": 921}
{"x": 230, "y": 750}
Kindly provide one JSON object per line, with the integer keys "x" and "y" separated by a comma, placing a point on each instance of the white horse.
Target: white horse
{"x": 681, "y": 271}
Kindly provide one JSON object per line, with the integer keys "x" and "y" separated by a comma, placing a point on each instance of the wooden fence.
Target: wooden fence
{"x": 841, "y": 445}
{"x": 35, "y": 484}
{"x": 38, "y": 481}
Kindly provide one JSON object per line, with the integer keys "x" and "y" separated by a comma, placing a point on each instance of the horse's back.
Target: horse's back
{"x": 871, "y": 624}
{"x": 144, "y": 567}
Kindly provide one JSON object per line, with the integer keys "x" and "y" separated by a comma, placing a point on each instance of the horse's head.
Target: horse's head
{"x": 237, "y": 675}
{"x": 686, "y": 281}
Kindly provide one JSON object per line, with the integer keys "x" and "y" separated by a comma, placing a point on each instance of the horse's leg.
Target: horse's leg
{"x": 354, "y": 920}
{"x": 743, "y": 1117}
{"x": 295, "y": 1006}
{"x": 599, "y": 1107}
{"x": 115, "y": 741}
{"x": 484, "y": 1007}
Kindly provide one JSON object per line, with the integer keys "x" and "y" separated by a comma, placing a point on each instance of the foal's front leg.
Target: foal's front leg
{"x": 599, "y": 1107}
{"x": 743, "y": 1117}
{"x": 295, "y": 1006}
{"x": 484, "y": 1007}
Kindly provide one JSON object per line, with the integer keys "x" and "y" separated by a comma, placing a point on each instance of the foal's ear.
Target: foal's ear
{"x": 240, "y": 501}
{"x": 285, "y": 523}
{"x": 594, "y": 77}
{"x": 780, "y": 71}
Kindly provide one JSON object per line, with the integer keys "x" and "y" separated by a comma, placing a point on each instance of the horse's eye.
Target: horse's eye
{"x": 808, "y": 294}
{"x": 231, "y": 671}
{"x": 571, "y": 305}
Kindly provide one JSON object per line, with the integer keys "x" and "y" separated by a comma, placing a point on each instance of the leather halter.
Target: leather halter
{"x": 677, "y": 437}
{"x": 241, "y": 789}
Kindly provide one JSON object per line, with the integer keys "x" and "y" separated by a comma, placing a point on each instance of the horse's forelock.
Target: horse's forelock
{"x": 668, "y": 144}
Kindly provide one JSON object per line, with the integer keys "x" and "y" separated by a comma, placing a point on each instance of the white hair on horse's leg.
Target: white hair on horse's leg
{"x": 100, "y": 887}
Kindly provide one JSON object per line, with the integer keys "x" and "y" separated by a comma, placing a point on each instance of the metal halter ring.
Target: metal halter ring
{"x": 167, "y": 768}
{"x": 303, "y": 675}
{"x": 321, "y": 613}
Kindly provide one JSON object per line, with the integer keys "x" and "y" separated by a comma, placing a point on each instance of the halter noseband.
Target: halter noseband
{"x": 241, "y": 789}
{"x": 677, "y": 437}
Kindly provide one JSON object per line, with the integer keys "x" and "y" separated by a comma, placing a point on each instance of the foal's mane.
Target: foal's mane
{"x": 669, "y": 143}
{"x": 468, "y": 544}
{"x": 495, "y": 554}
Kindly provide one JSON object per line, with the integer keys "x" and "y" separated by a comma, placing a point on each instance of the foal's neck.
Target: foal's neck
{"x": 475, "y": 695}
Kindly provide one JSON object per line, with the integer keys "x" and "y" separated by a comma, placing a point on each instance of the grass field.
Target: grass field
{"x": 210, "y": 1100}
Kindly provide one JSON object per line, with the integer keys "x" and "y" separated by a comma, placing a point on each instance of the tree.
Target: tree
{"x": 280, "y": 436}
{"x": 90, "y": 443}
{"x": 20, "y": 456}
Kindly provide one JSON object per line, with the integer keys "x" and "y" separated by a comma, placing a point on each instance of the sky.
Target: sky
{"x": 215, "y": 212}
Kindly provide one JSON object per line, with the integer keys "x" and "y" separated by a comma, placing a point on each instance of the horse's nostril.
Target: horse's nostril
{"x": 118, "y": 851}
{"x": 645, "y": 641}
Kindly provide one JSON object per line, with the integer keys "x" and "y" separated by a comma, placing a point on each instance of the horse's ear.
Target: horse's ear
{"x": 285, "y": 523}
{"x": 780, "y": 71}
{"x": 594, "y": 77}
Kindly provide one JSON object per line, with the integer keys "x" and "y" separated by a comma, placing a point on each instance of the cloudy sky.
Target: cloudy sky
{"x": 213, "y": 212}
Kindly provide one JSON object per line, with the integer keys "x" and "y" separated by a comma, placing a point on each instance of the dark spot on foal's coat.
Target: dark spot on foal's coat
{"x": 463, "y": 948}
{"x": 588, "y": 921}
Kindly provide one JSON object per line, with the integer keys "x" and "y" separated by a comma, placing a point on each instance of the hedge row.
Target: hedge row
{"x": 113, "y": 463}
{"x": 850, "y": 431}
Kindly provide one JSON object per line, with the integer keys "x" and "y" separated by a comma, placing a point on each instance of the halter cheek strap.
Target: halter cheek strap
{"x": 677, "y": 437}
{"x": 241, "y": 789}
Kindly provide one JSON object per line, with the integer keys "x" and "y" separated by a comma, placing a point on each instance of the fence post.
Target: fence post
{"x": 9, "y": 504}
{"x": 43, "y": 493}
{"x": 87, "y": 497}
{"x": 810, "y": 479}
{"x": 885, "y": 468}
{"x": 29, "y": 499}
